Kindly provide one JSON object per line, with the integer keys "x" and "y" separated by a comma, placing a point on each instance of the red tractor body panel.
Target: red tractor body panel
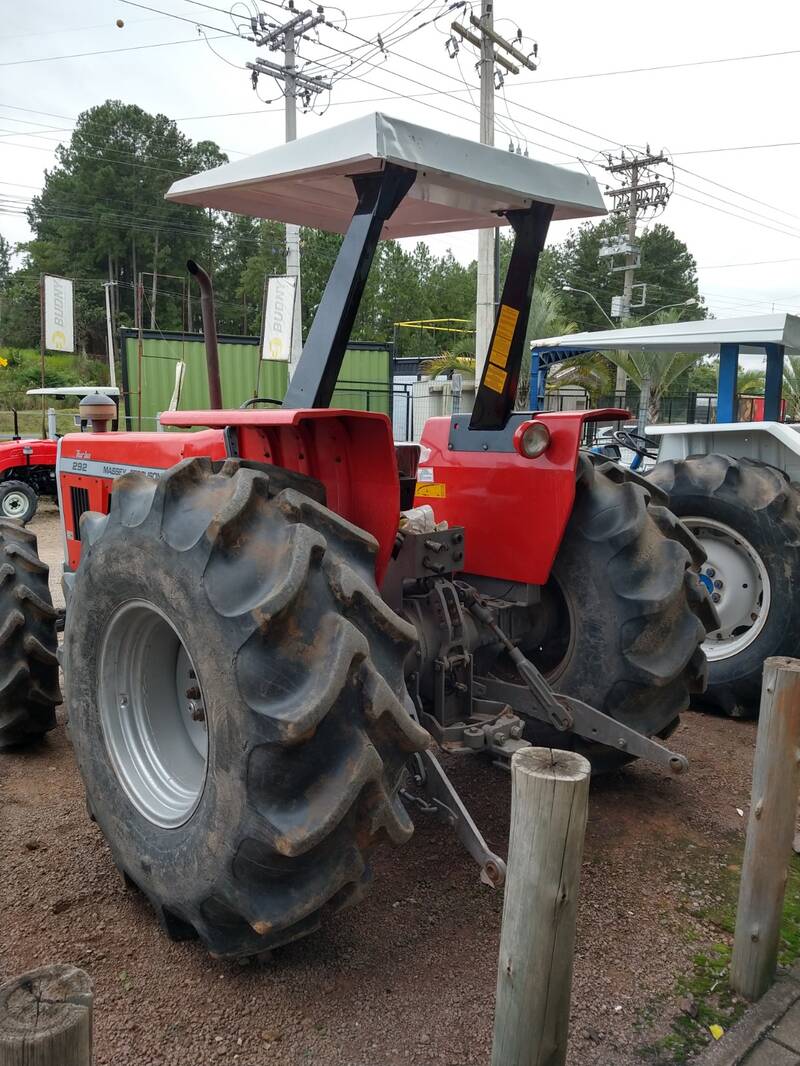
{"x": 16, "y": 453}
{"x": 514, "y": 510}
{"x": 350, "y": 452}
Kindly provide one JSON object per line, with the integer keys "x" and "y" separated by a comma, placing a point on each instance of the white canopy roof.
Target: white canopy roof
{"x": 705, "y": 335}
{"x": 460, "y": 184}
{"x": 74, "y": 390}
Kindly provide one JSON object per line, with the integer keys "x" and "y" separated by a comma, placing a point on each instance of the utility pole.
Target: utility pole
{"x": 632, "y": 199}
{"x": 484, "y": 308}
{"x": 283, "y": 37}
{"x": 486, "y": 42}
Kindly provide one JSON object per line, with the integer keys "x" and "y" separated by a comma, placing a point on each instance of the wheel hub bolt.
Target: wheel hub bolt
{"x": 193, "y": 693}
{"x": 717, "y": 584}
{"x": 711, "y": 571}
{"x": 197, "y": 711}
{"x": 715, "y": 597}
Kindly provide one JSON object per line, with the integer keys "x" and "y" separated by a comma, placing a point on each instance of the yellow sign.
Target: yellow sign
{"x": 503, "y": 335}
{"x": 495, "y": 378}
{"x": 426, "y": 489}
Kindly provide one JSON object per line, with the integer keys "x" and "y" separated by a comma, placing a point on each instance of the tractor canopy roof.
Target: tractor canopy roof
{"x": 460, "y": 185}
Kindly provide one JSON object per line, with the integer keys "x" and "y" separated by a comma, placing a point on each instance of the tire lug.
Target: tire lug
{"x": 715, "y": 597}
{"x": 711, "y": 572}
{"x": 717, "y": 584}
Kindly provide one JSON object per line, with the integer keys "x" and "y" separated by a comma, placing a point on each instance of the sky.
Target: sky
{"x": 736, "y": 209}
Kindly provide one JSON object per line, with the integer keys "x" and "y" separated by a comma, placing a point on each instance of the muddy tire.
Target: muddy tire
{"x": 18, "y": 500}
{"x": 626, "y": 612}
{"x": 29, "y": 692}
{"x": 239, "y": 624}
{"x": 747, "y": 516}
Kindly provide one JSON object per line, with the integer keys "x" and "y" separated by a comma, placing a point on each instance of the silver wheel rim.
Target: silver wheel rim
{"x": 737, "y": 580}
{"x": 15, "y": 504}
{"x": 152, "y": 714}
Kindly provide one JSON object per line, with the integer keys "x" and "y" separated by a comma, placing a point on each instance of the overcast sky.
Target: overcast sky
{"x": 685, "y": 110}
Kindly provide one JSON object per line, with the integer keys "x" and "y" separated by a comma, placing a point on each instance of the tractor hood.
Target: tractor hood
{"x": 460, "y": 185}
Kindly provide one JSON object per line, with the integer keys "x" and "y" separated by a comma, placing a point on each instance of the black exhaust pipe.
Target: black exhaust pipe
{"x": 209, "y": 332}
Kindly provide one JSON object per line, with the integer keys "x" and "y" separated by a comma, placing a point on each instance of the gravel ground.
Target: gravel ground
{"x": 408, "y": 976}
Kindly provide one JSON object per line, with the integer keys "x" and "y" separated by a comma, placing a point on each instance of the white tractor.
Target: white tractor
{"x": 736, "y": 485}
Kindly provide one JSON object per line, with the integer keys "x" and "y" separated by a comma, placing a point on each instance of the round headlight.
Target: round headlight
{"x": 531, "y": 439}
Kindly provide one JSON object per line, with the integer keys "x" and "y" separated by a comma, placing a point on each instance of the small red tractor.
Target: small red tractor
{"x": 28, "y": 464}
{"x": 274, "y": 617}
{"x": 27, "y": 471}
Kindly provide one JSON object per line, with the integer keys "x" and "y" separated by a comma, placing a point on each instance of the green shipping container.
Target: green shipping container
{"x": 365, "y": 382}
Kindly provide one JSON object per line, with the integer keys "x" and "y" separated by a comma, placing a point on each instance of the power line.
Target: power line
{"x": 666, "y": 66}
{"x": 104, "y": 51}
{"x": 753, "y": 263}
{"x": 739, "y": 148}
{"x": 75, "y": 29}
{"x": 182, "y": 18}
{"x": 736, "y": 192}
{"x": 343, "y": 72}
{"x": 743, "y": 218}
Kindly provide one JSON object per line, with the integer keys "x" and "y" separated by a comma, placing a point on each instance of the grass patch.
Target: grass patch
{"x": 23, "y": 370}
{"x": 706, "y": 990}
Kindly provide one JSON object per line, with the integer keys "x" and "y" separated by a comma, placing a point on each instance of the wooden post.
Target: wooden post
{"x": 549, "y": 801}
{"x": 46, "y": 1018}
{"x": 770, "y": 828}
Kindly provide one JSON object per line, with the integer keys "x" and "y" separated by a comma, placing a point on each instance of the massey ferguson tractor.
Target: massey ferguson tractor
{"x": 275, "y": 619}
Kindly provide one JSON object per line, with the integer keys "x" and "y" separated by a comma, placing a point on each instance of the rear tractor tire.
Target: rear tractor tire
{"x": 746, "y": 515}
{"x": 235, "y": 691}
{"x": 29, "y": 692}
{"x": 625, "y": 614}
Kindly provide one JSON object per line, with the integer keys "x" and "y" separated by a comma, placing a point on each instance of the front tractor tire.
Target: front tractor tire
{"x": 235, "y": 691}
{"x": 746, "y": 515}
{"x": 624, "y": 613}
{"x": 18, "y": 500}
{"x": 29, "y": 692}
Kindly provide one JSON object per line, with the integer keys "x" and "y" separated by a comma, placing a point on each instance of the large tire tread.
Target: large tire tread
{"x": 29, "y": 690}
{"x": 735, "y": 490}
{"x": 319, "y": 675}
{"x": 637, "y": 657}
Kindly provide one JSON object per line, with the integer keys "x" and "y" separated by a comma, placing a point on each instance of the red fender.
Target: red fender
{"x": 514, "y": 510}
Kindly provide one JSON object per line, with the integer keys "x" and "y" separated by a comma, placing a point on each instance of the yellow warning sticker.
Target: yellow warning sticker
{"x": 504, "y": 334}
{"x": 427, "y": 489}
{"x": 495, "y": 378}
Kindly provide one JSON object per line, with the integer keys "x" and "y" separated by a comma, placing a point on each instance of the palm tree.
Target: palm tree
{"x": 654, "y": 371}
{"x": 449, "y": 363}
{"x": 791, "y": 386}
{"x": 592, "y": 373}
{"x": 750, "y": 383}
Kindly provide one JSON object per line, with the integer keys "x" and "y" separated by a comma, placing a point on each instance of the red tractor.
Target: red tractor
{"x": 28, "y": 464}
{"x": 265, "y": 640}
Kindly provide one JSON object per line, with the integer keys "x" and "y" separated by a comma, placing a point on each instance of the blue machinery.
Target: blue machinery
{"x": 545, "y": 356}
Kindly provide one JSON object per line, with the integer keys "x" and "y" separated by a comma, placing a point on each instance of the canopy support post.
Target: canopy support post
{"x": 773, "y": 382}
{"x": 497, "y": 391}
{"x": 317, "y": 371}
{"x": 726, "y": 385}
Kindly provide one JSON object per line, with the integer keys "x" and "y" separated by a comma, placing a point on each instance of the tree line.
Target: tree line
{"x": 101, "y": 216}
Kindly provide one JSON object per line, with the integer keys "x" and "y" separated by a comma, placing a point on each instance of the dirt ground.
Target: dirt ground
{"x": 407, "y": 977}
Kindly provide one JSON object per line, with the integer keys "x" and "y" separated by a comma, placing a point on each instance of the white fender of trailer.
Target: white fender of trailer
{"x": 774, "y": 443}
